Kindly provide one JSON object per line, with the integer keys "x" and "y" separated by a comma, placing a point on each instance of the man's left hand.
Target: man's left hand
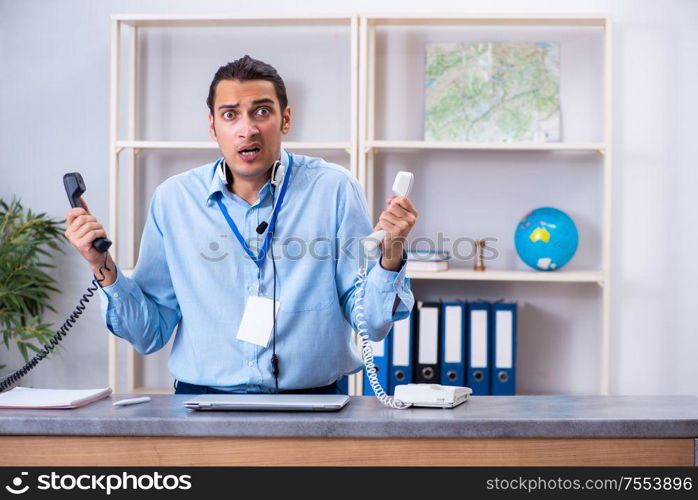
{"x": 397, "y": 221}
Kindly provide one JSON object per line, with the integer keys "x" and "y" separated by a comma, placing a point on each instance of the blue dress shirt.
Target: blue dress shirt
{"x": 193, "y": 274}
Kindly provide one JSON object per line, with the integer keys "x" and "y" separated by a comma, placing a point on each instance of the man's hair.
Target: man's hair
{"x": 246, "y": 69}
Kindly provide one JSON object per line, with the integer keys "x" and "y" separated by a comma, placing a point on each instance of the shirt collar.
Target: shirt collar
{"x": 217, "y": 185}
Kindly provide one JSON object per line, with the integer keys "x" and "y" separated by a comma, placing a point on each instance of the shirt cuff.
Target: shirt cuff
{"x": 393, "y": 283}
{"x": 111, "y": 297}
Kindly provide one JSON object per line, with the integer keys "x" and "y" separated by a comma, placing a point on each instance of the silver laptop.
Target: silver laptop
{"x": 268, "y": 402}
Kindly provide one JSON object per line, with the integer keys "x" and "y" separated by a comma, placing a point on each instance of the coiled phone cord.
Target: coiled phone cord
{"x": 366, "y": 348}
{"x": 67, "y": 325}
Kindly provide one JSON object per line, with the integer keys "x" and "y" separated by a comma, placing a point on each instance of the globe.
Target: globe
{"x": 546, "y": 238}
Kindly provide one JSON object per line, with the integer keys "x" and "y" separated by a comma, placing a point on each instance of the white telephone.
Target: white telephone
{"x": 430, "y": 395}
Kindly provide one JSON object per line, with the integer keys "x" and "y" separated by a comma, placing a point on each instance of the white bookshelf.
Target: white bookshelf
{"x": 367, "y": 145}
{"x": 377, "y": 141}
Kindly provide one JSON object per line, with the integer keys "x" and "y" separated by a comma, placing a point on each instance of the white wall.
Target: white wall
{"x": 54, "y": 102}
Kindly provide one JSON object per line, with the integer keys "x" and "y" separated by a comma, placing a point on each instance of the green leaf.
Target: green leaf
{"x": 23, "y": 351}
{"x": 28, "y": 242}
{"x": 33, "y": 348}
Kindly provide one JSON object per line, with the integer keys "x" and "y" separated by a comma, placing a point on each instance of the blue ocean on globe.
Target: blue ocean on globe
{"x": 546, "y": 238}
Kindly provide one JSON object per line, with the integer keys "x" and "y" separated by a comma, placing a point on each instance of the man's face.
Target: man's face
{"x": 248, "y": 125}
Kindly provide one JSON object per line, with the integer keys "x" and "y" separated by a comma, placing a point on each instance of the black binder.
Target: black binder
{"x": 426, "y": 343}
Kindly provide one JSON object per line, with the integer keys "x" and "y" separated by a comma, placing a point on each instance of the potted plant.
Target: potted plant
{"x": 26, "y": 239}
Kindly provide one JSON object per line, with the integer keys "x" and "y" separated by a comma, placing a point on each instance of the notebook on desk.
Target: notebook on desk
{"x": 269, "y": 402}
{"x": 31, "y": 398}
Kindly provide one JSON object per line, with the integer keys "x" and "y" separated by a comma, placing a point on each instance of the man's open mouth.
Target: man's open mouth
{"x": 249, "y": 153}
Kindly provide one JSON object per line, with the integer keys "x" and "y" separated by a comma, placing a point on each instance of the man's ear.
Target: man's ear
{"x": 286, "y": 120}
{"x": 212, "y": 128}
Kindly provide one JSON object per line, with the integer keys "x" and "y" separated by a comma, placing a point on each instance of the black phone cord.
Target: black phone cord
{"x": 62, "y": 332}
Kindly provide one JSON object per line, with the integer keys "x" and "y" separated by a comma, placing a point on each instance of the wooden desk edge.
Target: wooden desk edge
{"x": 222, "y": 451}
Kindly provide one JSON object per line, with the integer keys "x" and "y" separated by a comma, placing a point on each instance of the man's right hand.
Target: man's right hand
{"x": 83, "y": 228}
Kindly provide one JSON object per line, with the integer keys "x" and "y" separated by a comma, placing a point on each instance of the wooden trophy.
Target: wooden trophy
{"x": 479, "y": 256}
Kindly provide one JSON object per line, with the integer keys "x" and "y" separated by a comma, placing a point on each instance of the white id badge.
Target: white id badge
{"x": 257, "y": 321}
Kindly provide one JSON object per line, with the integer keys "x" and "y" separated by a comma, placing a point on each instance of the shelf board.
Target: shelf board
{"x": 210, "y": 145}
{"x": 486, "y": 20}
{"x": 596, "y": 147}
{"x": 502, "y": 275}
{"x": 401, "y": 19}
{"x": 194, "y": 20}
{"x": 561, "y": 276}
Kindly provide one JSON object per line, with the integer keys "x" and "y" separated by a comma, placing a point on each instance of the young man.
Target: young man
{"x": 204, "y": 266}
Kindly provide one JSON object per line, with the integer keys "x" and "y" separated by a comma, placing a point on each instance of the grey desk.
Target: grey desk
{"x": 520, "y": 430}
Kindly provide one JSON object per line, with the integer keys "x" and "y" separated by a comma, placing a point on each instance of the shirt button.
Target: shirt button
{"x": 250, "y": 363}
{"x": 116, "y": 294}
{"x": 385, "y": 280}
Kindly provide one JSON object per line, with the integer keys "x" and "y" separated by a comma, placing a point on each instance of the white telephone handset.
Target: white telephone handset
{"x": 402, "y": 186}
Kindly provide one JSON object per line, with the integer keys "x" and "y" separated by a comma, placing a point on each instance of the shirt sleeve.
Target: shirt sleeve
{"x": 381, "y": 285}
{"x": 143, "y": 309}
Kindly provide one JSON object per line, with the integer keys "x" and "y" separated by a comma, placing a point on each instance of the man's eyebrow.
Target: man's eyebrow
{"x": 264, "y": 100}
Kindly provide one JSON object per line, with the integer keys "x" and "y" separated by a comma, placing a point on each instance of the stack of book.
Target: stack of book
{"x": 424, "y": 260}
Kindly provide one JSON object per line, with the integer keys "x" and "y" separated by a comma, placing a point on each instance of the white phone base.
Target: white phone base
{"x": 432, "y": 395}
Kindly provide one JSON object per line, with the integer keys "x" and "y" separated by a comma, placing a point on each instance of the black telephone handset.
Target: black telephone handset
{"x": 74, "y": 188}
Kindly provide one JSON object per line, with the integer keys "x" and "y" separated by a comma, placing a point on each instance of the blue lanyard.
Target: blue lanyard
{"x": 260, "y": 259}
